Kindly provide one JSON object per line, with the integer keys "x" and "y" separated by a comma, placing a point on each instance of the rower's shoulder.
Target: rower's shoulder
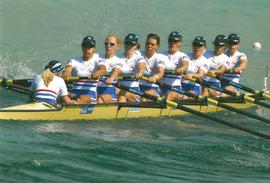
{"x": 75, "y": 59}
{"x": 208, "y": 54}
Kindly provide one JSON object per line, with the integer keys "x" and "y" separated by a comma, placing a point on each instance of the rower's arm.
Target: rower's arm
{"x": 183, "y": 67}
{"x": 200, "y": 74}
{"x": 158, "y": 76}
{"x": 67, "y": 72}
{"x": 115, "y": 74}
{"x": 141, "y": 67}
{"x": 241, "y": 67}
{"x": 67, "y": 100}
{"x": 220, "y": 70}
{"x": 100, "y": 72}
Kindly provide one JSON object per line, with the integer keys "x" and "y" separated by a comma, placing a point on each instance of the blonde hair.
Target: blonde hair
{"x": 118, "y": 39}
{"x": 47, "y": 76}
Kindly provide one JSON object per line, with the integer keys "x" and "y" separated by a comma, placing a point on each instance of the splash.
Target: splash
{"x": 14, "y": 69}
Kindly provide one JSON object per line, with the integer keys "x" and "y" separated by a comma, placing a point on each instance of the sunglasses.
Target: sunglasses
{"x": 109, "y": 43}
{"x": 232, "y": 43}
{"x": 198, "y": 45}
{"x": 173, "y": 40}
{"x": 88, "y": 45}
{"x": 129, "y": 43}
{"x": 219, "y": 45}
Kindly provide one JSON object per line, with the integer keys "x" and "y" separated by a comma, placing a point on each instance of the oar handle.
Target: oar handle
{"x": 187, "y": 93}
{"x": 124, "y": 77}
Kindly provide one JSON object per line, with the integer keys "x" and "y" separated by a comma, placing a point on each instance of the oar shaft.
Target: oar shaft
{"x": 212, "y": 101}
{"x": 189, "y": 110}
{"x": 245, "y": 88}
{"x": 234, "y": 94}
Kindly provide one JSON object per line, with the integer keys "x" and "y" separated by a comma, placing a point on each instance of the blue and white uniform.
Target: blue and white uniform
{"x": 110, "y": 64}
{"x": 215, "y": 63}
{"x": 193, "y": 67}
{"x": 152, "y": 64}
{"x": 42, "y": 93}
{"x": 234, "y": 62}
{"x": 171, "y": 64}
{"x": 131, "y": 66}
{"x": 84, "y": 68}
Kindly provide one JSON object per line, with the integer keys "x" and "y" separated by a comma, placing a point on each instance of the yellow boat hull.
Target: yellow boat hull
{"x": 44, "y": 111}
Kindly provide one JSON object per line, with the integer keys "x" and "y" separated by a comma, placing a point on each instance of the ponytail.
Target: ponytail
{"x": 47, "y": 76}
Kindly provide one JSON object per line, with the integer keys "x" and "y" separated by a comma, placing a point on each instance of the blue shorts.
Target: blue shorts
{"x": 213, "y": 83}
{"x": 192, "y": 88}
{"x": 111, "y": 90}
{"x": 165, "y": 91}
{"x": 143, "y": 88}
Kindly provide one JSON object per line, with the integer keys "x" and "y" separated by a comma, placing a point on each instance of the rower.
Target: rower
{"x": 133, "y": 65}
{"x": 197, "y": 67}
{"x": 155, "y": 65}
{"x": 109, "y": 64}
{"x": 49, "y": 86}
{"x": 84, "y": 91}
{"x": 238, "y": 61}
{"x": 177, "y": 62}
{"x": 219, "y": 63}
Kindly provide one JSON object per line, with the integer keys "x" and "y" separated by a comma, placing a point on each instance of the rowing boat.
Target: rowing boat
{"x": 44, "y": 111}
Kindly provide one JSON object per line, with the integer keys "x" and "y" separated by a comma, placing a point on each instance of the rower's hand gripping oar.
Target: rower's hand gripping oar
{"x": 211, "y": 101}
{"x": 187, "y": 109}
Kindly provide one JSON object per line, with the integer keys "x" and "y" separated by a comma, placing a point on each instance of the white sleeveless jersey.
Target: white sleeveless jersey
{"x": 193, "y": 67}
{"x": 157, "y": 60}
{"x": 111, "y": 63}
{"x": 196, "y": 64}
{"x": 56, "y": 88}
{"x": 174, "y": 60}
{"x": 83, "y": 68}
{"x": 152, "y": 64}
{"x": 217, "y": 61}
{"x": 131, "y": 66}
{"x": 235, "y": 59}
{"x": 235, "y": 62}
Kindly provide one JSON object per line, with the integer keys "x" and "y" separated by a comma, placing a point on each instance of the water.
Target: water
{"x": 152, "y": 150}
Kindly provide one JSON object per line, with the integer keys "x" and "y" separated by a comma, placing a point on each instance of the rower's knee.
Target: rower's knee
{"x": 105, "y": 98}
{"x": 83, "y": 99}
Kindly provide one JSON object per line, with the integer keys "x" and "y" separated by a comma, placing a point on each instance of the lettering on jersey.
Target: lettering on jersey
{"x": 206, "y": 66}
{"x": 161, "y": 62}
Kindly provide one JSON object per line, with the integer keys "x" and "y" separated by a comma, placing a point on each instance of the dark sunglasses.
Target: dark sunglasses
{"x": 129, "y": 43}
{"x": 88, "y": 45}
{"x": 109, "y": 43}
{"x": 232, "y": 43}
{"x": 173, "y": 41}
{"x": 198, "y": 45}
{"x": 219, "y": 45}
